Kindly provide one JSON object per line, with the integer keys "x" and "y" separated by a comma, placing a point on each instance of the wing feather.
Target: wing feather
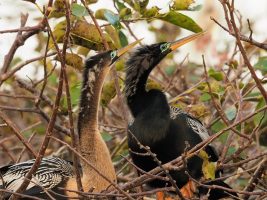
{"x": 51, "y": 172}
{"x": 198, "y": 128}
{"x": 192, "y": 122}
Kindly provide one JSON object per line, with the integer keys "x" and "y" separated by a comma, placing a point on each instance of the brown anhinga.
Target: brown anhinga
{"x": 54, "y": 172}
{"x": 163, "y": 128}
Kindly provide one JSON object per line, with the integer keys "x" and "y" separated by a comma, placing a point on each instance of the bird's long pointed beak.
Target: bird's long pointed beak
{"x": 123, "y": 50}
{"x": 181, "y": 42}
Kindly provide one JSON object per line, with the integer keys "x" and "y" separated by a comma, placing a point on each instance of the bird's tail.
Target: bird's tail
{"x": 216, "y": 193}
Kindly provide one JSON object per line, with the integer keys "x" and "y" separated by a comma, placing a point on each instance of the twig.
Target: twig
{"x": 17, "y": 133}
{"x": 194, "y": 151}
{"x": 45, "y": 73}
{"x": 24, "y": 149}
{"x": 52, "y": 121}
{"x": 22, "y": 29}
{"x": 20, "y": 195}
{"x": 7, "y": 152}
{"x": 18, "y": 42}
{"x": 154, "y": 156}
{"x": 7, "y": 75}
{"x": 262, "y": 45}
{"x": 74, "y": 136}
{"x": 94, "y": 168}
{"x": 218, "y": 108}
{"x": 34, "y": 91}
{"x": 255, "y": 178}
{"x": 243, "y": 52}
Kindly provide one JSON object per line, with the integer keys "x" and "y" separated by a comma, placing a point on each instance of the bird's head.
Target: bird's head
{"x": 96, "y": 69}
{"x": 154, "y": 53}
{"x": 107, "y": 58}
{"x": 145, "y": 58}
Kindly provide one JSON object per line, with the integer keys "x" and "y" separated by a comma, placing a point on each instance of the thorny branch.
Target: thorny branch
{"x": 75, "y": 142}
{"x": 52, "y": 121}
{"x": 42, "y": 103}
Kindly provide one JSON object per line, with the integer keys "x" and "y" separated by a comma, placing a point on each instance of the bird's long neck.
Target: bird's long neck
{"x": 92, "y": 146}
{"x": 93, "y": 79}
{"x": 149, "y": 108}
{"x": 136, "y": 88}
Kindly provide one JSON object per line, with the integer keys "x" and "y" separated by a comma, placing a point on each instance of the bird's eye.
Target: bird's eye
{"x": 164, "y": 47}
{"x": 113, "y": 54}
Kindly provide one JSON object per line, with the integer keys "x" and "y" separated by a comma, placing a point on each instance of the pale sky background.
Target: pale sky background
{"x": 255, "y": 11}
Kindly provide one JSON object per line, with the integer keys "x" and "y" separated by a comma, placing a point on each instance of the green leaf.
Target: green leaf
{"x": 106, "y": 136}
{"x": 74, "y": 95}
{"x": 205, "y": 97}
{"x": 196, "y": 8}
{"x": 215, "y": 74}
{"x": 108, "y": 92}
{"x": 260, "y": 117}
{"x": 262, "y": 64}
{"x": 153, "y": 85}
{"x": 125, "y": 13}
{"x": 75, "y": 91}
{"x": 151, "y": 12}
{"x": 119, "y": 65}
{"x": 114, "y": 35}
{"x": 169, "y": 70}
{"x": 58, "y": 33}
{"x": 180, "y": 20}
{"x": 78, "y": 10}
{"x": 218, "y": 126}
{"x": 182, "y": 4}
{"x": 120, "y": 5}
{"x": 208, "y": 168}
{"x": 231, "y": 150}
{"x": 230, "y": 112}
{"x": 53, "y": 79}
{"x": 113, "y": 19}
{"x": 140, "y": 6}
{"x": 123, "y": 39}
{"x": 90, "y": 1}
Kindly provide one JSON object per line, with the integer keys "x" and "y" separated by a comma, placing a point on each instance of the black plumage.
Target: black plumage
{"x": 163, "y": 128}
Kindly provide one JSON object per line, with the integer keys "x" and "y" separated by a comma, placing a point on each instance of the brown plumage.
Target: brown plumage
{"x": 55, "y": 173}
{"x": 93, "y": 148}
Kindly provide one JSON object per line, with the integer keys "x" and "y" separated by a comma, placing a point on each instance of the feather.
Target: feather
{"x": 51, "y": 172}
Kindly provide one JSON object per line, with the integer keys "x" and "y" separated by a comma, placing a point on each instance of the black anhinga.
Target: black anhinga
{"x": 55, "y": 172}
{"x": 163, "y": 128}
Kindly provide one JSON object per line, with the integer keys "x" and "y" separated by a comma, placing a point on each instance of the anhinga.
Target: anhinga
{"x": 55, "y": 172}
{"x": 163, "y": 128}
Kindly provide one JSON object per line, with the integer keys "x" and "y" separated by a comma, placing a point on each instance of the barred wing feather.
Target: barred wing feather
{"x": 51, "y": 172}
{"x": 194, "y": 123}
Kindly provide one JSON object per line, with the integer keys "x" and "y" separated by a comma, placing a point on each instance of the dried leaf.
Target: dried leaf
{"x": 87, "y": 35}
{"x": 58, "y": 9}
{"x": 74, "y": 61}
